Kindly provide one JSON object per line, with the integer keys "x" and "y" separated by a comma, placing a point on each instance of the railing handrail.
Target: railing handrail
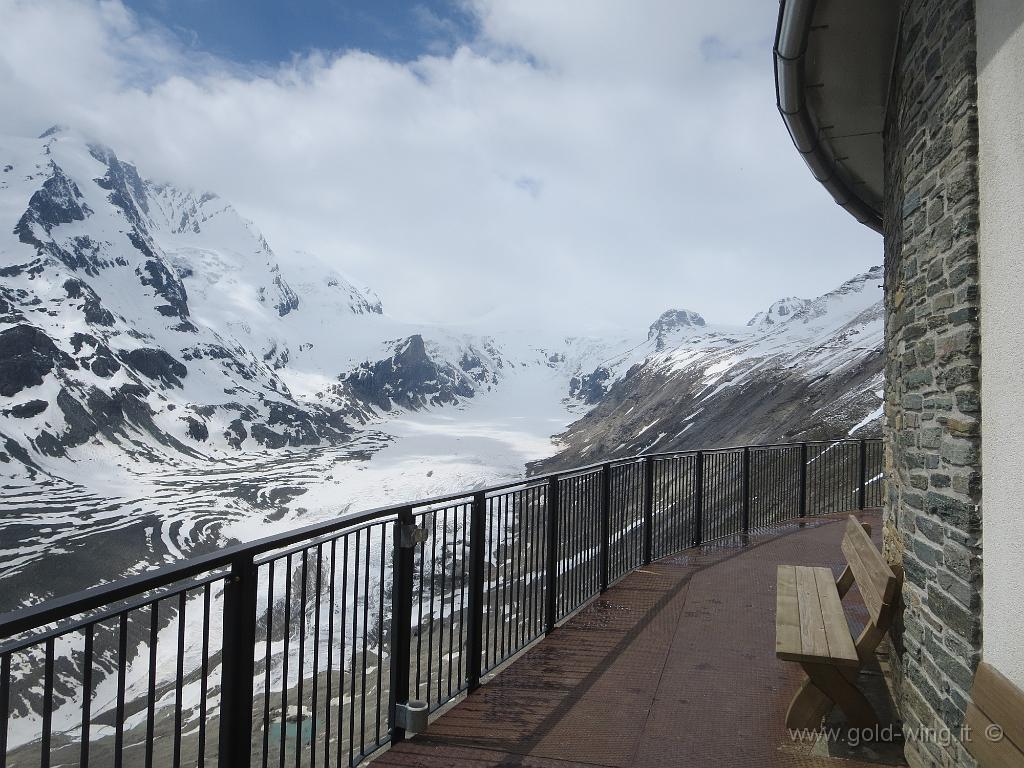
{"x": 66, "y": 607}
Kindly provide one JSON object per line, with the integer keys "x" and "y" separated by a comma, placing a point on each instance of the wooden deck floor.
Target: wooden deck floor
{"x": 673, "y": 666}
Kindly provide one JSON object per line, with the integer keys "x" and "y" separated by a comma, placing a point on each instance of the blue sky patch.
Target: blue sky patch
{"x": 271, "y": 32}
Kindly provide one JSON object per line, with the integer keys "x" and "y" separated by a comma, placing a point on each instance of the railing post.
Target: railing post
{"x": 803, "y": 479}
{"x": 475, "y": 628}
{"x": 606, "y": 512}
{"x": 551, "y": 559}
{"x": 862, "y": 472}
{"x": 648, "y": 509}
{"x": 698, "y": 499}
{"x": 746, "y": 491}
{"x": 239, "y": 644}
{"x": 404, "y": 559}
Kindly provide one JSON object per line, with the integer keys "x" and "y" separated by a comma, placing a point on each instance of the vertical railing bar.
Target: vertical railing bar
{"x": 47, "y": 724}
{"x": 267, "y": 658}
{"x": 444, "y": 588}
{"x": 487, "y": 639}
{"x": 451, "y": 615}
{"x": 5, "y": 698}
{"x": 86, "y": 700}
{"x": 571, "y": 517}
{"x": 366, "y": 632}
{"x": 380, "y": 629}
{"x": 204, "y": 681}
{"x": 862, "y": 472}
{"x": 698, "y": 499}
{"x": 745, "y": 490}
{"x": 551, "y": 563}
{"x": 179, "y": 679}
{"x": 343, "y": 616}
{"x": 404, "y": 563}
{"x": 154, "y": 626}
{"x": 502, "y": 618}
{"x": 518, "y": 515}
{"x": 575, "y": 514}
{"x": 803, "y": 480}
{"x": 534, "y": 563}
{"x": 462, "y": 592}
{"x": 235, "y": 745}
{"x": 419, "y": 611}
{"x": 356, "y": 549}
{"x": 122, "y": 662}
{"x": 475, "y": 634}
{"x": 330, "y": 654}
{"x": 595, "y": 533}
{"x": 285, "y": 655}
{"x": 300, "y": 666}
{"x": 648, "y": 498}
{"x": 317, "y": 587}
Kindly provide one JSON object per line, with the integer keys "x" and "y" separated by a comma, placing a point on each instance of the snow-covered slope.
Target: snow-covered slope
{"x": 139, "y": 321}
{"x": 804, "y": 368}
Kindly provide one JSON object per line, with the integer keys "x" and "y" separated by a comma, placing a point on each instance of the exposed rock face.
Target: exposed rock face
{"x": 27, "y": 355}
{"x": 156, "y": 364}
{"x": 590, "y": 387}
{"x": 58, "y": 201}
{"x": 410, "y": 378}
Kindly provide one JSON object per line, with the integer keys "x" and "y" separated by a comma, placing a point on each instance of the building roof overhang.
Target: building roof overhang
{"x": 833, "y": 65}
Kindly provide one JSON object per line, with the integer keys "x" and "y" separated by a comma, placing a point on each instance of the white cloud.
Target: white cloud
{"x": 577, "y": 163}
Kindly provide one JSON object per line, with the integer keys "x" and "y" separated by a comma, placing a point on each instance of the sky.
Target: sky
{"x": 535, "y": 163}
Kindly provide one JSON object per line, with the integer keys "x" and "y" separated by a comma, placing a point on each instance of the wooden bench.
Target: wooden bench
{"x": 995, "y": 719}
{"x": 811, "y": 629}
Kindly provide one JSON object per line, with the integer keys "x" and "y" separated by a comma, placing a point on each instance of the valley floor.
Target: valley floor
{"x": 58, "y": 536}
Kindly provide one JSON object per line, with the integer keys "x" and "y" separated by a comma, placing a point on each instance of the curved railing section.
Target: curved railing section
{"x": 322, "y": 645}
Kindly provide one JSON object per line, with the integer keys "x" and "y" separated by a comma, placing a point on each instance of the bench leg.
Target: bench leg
{"x": 807, "y": 707}
{"x": 827, "y": 686}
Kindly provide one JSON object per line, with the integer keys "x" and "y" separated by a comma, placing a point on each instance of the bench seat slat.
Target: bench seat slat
{"x": 837, "y": 630}
{"x": 810, "y": 623}
{"x": 787, "y": 615}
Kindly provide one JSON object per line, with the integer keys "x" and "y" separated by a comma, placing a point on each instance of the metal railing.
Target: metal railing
{"x": 306, "y": 648}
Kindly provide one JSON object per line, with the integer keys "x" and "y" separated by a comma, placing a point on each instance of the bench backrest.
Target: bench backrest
{"x": 873, "y": 575}
{"x": 996, "y": 703}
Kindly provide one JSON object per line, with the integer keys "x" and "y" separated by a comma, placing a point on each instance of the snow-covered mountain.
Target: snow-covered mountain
{"x": 802, "y": 369}
{"x": 150, "y": 322}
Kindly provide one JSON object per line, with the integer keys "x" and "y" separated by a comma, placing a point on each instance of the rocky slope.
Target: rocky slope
{"x": 803, "y": 369}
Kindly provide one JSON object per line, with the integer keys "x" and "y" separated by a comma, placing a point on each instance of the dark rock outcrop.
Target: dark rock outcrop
{"x": 27, "y": 355}
{"x": 410, "y": 378}
{"x": 156, "y": 364}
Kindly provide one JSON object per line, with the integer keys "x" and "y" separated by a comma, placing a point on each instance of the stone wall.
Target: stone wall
{"x": 932, "y": 400}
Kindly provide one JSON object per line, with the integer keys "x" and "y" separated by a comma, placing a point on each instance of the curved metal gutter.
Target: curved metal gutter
{"x": 795, "y": 17}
